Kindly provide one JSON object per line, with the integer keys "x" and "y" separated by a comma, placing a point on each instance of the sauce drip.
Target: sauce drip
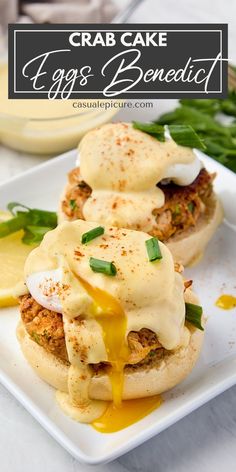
{"x": 110, "y": 315}
{"x": 226, "y": 302}
{"x": 114, "y": 419}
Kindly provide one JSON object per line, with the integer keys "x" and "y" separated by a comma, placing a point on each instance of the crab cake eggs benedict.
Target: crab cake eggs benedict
{"x": 127, "y": 178}
{"x": 107, "y": 318}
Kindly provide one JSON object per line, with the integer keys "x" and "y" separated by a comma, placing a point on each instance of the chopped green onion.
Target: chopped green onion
{"x": 184, "y": 135}
{"x": 176, "y": 211}
{"x": 209, "y": 106}
{"x": 200, "y": 122}
{"x": 193, "y": 315}
{"x": 34, "y": 234}
{"x": 72, "y": 204}
{"x": 177, "y": 208}
{"x": 43, "y": 218}
{"x": 155, "y": 130}
{"x": 152, "y": 353}
{"x": 219, "y": 135}
{"x": 92, "y": 234}
{"x": 153, "y": 249}
{"x": 13, "y": 225}
{"x": 34, "y": 222}
{"x": 12, "y": 205}
{"x": 104, "y": 267}
{"x": 35, "y": 337}
{"x": 191, "y": 206}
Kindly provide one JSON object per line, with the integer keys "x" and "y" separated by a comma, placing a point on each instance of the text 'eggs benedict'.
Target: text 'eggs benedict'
{"x": 127, "y": 178}
{"x": 105, "y": 320}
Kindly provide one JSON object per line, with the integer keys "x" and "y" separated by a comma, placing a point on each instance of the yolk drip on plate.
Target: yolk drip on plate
{"x": 115, "y": 419}
{"x": 112, "y": 319}
{"x": 226, "y": 302}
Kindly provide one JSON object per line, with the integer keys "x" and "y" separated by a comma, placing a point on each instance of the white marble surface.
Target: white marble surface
{"x": 202, "y": 442}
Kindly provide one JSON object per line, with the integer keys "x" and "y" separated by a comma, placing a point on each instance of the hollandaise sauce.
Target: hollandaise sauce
{"x": 99, "y": 311}
{"x": 46, "y": 126}
{"x": 124, "y": 190}
{"x": 226, "y": 302}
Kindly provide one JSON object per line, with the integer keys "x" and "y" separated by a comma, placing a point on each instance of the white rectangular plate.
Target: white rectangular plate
{"x": 215, "y": 370}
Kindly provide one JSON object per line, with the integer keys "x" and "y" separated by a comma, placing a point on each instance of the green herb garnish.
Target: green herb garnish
{"x": 193, "y": 315}
{"x": 13, "y": 225}
{"x": 200, "y": 121}
{"x": 191, "y": 207}
{"x": 155, "y": 130}
{"x": 35, "y": 337}
{"x": 176, "y": 211}
{"x": 152, "y": 353}
{"x": 13, "y": 205}
{"x": 153, "y": 249}
{"x": 203, "y": 116}
{"x": 72, "y": 204}
{"x": 34, "y": 234}
{"x": 184, "y": 135}
{"x": 34, "y": 222}
{"x": 92, "y": 234}
{"x": 104, "y": 267}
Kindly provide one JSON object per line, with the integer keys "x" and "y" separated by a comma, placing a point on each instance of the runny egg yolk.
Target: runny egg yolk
{"x": 114, "y": 419}
{"x": 112, "y": 319}
{"x": 226, "y": 302}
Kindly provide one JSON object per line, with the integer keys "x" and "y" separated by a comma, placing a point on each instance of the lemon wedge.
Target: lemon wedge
{"x": 13, "y": 254}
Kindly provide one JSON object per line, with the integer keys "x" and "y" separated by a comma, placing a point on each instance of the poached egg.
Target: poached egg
{"x": 60, "y": 278}
{"x": 123, "y": 166}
